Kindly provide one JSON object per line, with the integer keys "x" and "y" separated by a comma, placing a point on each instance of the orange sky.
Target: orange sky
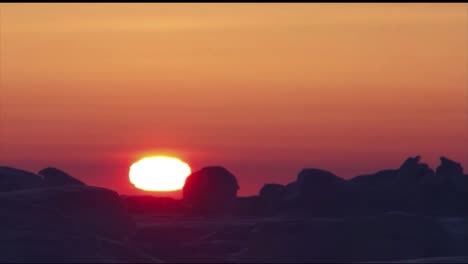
{"x": 262, "y": 89}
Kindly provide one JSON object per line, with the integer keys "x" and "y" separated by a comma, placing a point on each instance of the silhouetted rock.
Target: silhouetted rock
{"x": 410, "y": 164}
{"x": 56, "y": 177}
{"x": 272, "y": 197}
{"x": 211, "y": 190}
{"x": 12, "y": 179}
{"x": 380, "y": 179}
{"x": 72, "y": 223}
{"x": 444, "y": 192}
{"x": 311, "y": 182}
{"x": 292, "y": 191}
{"x": 449, "y": 190}
{"x": 377, "y": 190}
{"x": 273, "y": 192}
{"x": 412, "y": 172}
{"x": 311, "y": 178}
{"x": 404, "y": 189}
{"x": 449, "y": 169}
{"x": 416, "y": 188}
{"x": 155, "y": 205}
{"x": 410, "y": 188}
{"x": 324, "y": 193}
{"x": 249, "y": 206}
{"x": 88, "y": 209}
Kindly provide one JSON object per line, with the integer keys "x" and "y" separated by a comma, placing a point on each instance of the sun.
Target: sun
{"x": 159, "y": 173}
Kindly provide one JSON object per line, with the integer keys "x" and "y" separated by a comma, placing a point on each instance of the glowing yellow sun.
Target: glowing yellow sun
{"x": 159, "y": 173}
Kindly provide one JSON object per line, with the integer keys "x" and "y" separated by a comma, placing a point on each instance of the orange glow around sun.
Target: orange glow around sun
{"x": 159, "y": 173}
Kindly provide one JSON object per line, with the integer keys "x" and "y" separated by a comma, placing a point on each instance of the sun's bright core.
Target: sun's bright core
{"x": 159, "y": 173}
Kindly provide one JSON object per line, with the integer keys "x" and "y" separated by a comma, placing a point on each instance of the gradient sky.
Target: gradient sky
{"x": 262, "y": 89}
